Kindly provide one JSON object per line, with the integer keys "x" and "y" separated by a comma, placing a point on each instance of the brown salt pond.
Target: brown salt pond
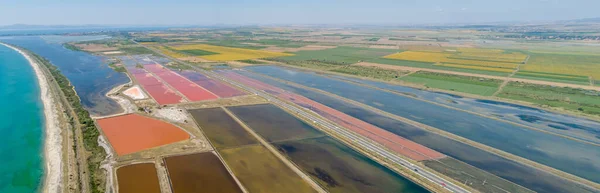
{"x": 262, "y": 172}
{"x": 274, "y": 124}
{"x": 198, "y": 173}
{"x": 132, "y": 133}
{"x": 138, "y": 178}
{"x": 222, "y": 130}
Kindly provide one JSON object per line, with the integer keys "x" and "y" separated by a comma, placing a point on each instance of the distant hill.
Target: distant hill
{"x": 26, "y": 26}
{"x": 585, "y": 20}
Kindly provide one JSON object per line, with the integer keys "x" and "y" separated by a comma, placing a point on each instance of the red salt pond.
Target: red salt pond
{"x": 163, "y": 94}
{"x": 160, "y": 92}
{"x": 186, "y": 87}
{"x": 394, "y": 142}
{"x": 220, "y": 89}
{"x": 133, "y": 133}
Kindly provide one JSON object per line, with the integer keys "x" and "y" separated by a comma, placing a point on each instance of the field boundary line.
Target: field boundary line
{"x": 501, "y": 153}
{"x": 281, "y": 157}
{"x": 530, "y": 81}
{"x": 505, "y": 82}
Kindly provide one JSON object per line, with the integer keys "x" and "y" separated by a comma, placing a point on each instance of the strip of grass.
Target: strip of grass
{"x": 197, "y": 52}
{"x": 251, "y": 61}
{"x": 466, "y": 84}
{"x": 373, "y": 39}
{"x": 572, "y": 99}
{"x": 371, "y": 72}
{"x": 564, "y": 78}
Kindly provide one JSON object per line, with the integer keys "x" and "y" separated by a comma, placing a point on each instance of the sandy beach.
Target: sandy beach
{"x": 53, "y": 139}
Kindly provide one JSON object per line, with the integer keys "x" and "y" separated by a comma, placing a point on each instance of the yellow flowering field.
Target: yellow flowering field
{"x": 229, "y": 53}
{"x": 447, "y": 57}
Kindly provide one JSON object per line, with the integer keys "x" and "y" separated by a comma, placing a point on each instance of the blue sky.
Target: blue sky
{"x": 153, "y": 12}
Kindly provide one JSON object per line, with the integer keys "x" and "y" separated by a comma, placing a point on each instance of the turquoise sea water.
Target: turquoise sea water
{"x": 21, "y": 125}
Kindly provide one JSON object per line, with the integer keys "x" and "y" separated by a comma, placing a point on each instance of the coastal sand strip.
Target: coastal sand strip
{"x": 53, "y": 139}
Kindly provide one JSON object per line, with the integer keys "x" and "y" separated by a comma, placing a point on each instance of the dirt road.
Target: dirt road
{"x": 540, "y": 82}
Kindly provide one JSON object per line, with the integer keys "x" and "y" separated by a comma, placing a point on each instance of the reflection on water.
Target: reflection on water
{"x": 564, "y": 154}
{"x": 518, "y": 173}
{"x": 511, "y": 111}
{"x": 90, "y": 75}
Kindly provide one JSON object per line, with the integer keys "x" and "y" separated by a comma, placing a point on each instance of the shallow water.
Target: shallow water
{"x": 335, "y": 166}
{"x": 340, "y": 169}
{"x": 577, "y": 127}
{"x": 21, "y": 125}
{"x": 90, "y": 75}
{"x": 574, "y": 157}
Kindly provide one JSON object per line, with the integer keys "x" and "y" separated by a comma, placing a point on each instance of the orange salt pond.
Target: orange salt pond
{"x": 132, "y": 133}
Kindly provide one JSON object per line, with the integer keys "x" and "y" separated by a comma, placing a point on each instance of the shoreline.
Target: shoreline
{"x": 52, "y": 138}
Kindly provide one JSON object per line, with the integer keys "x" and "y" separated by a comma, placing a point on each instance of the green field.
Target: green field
{"x": 136, "y": 50}
{"x": 340, "y": 55}
{"x": 580, "y": 100}
{"x": 197, "y": 52}
{"x": 473, "y": 176}
{"x": 552, "y": 77}
{"x": 233, "y": 43}
{"x": 280, "y": 43}
{"x": 466, "y": 84}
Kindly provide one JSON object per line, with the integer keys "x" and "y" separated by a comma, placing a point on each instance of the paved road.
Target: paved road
{"x": 358, "y": 140}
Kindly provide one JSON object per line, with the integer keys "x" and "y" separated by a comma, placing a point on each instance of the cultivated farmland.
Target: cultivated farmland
{"x": 570, "y": 64}
{"x": 228, "y": 53}
{"x": 472, "y": 85}
{"x": 476, "y": 58}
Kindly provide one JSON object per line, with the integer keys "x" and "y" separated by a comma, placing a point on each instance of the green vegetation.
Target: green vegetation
{"x": 473, "y": 176}
{"x": 233, "y": 43}
{"x": 553, "y": 77}
{"x": 371, "y": 72}
{"x": 136, "y": 50}
{"x": 251, "y": 61}
{"x": 340, "y": 55}
{"x": 88, "y": 128}
{"x": 197, "y": 52}
{"x": 117, "y": 68}
{"x": 373, "y": 39}
{"x": 280, "y": 43}
{"x": 313, "y": 64}
{"x": 72, "y": 47}
{"x": 585, "y": 101}
{"x": 112, "y": 42}
{"x": 407, "y": 39}
{"x": 466, "y": 84}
